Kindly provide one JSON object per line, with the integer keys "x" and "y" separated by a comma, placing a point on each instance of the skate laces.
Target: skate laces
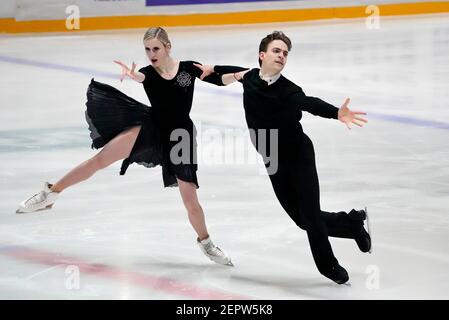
{"x": 38, "y": 197}
{"x": 213, "y": 250}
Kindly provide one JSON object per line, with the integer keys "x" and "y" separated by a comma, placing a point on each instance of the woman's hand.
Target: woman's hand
{"x": 207, "y": 70}
{"x": 347, "y": 116}
{"x": 126, "y": 71}
{"x": 233, "y": 77}
{"x": 239, "y": 75}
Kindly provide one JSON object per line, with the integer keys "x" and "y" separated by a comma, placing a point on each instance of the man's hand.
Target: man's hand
{"x": 347, "y": 116}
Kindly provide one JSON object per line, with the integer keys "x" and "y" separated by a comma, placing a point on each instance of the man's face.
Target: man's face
{"x": 275, "y": 58}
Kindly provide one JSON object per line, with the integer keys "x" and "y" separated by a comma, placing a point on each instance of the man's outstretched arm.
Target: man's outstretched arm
{"x": 321, "y": 108}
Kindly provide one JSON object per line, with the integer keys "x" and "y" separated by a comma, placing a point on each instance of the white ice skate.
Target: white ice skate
{"x": 43, "y": 200}
{"x": 214, "y": 253}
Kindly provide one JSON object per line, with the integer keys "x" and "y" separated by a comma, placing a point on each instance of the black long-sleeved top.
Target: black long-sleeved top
{"x": 171, "y": 100}
{"x": 279, "y": 106}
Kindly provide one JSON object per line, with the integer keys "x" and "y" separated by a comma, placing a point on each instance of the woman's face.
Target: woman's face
{"x": 156, "y": 52}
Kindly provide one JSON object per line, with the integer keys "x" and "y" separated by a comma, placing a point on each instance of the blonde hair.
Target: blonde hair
{"x": 157, "y": 33}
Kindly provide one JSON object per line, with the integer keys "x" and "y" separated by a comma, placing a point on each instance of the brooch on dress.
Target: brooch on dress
{"x": 184, "y": 79}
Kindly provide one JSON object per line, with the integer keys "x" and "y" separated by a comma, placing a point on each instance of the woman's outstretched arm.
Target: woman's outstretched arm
{"x": 227, "y": 74}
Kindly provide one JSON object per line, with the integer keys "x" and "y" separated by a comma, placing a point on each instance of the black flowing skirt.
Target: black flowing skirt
{"x": 110, "y": 112}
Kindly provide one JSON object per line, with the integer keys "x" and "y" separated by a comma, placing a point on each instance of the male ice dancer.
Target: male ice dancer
{"x": 273, "y": 102}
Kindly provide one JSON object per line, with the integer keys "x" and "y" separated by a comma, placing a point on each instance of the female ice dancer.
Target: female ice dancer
{"x": 272, "y": 102}
{"x": 126, "y": 129}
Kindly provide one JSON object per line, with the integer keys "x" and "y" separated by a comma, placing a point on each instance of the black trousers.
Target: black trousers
{"x": 296, "y": 186}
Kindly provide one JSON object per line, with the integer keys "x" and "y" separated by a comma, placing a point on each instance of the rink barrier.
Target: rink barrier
{"x": 10, "y": 25}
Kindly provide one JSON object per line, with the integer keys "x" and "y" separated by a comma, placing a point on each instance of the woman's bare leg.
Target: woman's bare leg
{"x": 194, "y": 210}
{"x": 196, "y": 217}
{"x": 118, "y": 148}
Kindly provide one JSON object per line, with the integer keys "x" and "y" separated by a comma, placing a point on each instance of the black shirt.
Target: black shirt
{"x": 280, "y": 104}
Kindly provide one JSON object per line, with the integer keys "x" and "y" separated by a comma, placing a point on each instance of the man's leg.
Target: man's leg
{"x": 288, "y": 196}
{"x": 306, "y": 186}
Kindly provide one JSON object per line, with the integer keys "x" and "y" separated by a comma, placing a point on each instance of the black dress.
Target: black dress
{"x": 167, "y": 136}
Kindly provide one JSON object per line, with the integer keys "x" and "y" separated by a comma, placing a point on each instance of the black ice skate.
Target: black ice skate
{"x": 337, "y": 274}
{"x": 363, "y": 237}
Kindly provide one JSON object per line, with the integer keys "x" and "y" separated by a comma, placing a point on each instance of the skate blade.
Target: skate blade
{"x": 43, "y": 209}
{"x": 230, "y": 264}
{"x": 369, "y": 231}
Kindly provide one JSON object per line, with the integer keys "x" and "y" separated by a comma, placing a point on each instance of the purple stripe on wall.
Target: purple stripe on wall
{"x": 180, "y": 2}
